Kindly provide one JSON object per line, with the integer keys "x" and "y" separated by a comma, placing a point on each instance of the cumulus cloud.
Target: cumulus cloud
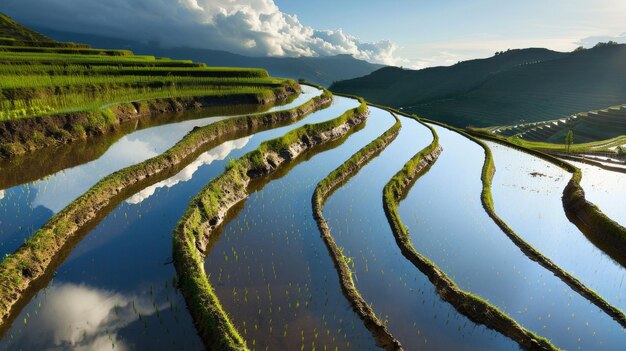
{"x": 218, "y": 153}
{"x": 79, "y": 317}
{"x": 593, "y": 40}
{"x": 1, "y": 194}
{"x": 252, "y": 27}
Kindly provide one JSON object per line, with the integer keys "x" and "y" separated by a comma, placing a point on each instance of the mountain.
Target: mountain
{"x": 319, "y": 70}
{"x": 511, "y": 87}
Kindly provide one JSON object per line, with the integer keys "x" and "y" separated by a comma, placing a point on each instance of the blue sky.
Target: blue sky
{"x": 410, "y": 33}
{"x": 442, "y": 32}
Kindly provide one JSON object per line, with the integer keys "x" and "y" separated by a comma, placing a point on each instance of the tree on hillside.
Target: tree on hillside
{"x": 608, "y": 43}
{"x": 569, "y": 140}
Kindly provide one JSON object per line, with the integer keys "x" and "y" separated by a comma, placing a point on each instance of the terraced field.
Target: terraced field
{"x": 289, "y": 219}
{"x": 587, "y": 127}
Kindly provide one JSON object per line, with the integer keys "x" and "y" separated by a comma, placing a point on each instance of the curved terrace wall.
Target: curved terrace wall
{"x": 29, "y": 268}
{"x": 475, "y": 308}
{"x": 208, "y": 210}
{"x": 487, "y": 175}
{"x": 323, "y": 191}
{"x": 606, "y": 234}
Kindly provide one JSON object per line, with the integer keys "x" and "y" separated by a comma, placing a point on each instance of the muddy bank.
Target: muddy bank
{"x": 209, "y": 209}
{"x": 27, "y": 267}
{"x": 475, "y": 308}
{"x": 26, "y": 135}
{"x": 322, "y": 192}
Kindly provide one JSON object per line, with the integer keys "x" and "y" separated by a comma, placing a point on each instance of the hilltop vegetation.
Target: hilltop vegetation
{"x": 11, "y": 30}
{"x": 512, "y": 87}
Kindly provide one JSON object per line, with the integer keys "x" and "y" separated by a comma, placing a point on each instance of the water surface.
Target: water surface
{"x": 127, "y": 259}
{"x": 25, "y": 208}
{"x": 398, "y": 292}
{"x": 527, "y": 194}
{"x": 448, "y": 224}
{"x": 606, "y": 189}
{"x": 270, "y": 267}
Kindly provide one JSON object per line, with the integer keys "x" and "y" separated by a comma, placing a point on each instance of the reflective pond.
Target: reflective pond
{"x": 25, "y": 208}
{"x": 125, "y": 261}
{"x": 448, "y": 224}
{"x": 270, "y": 267}
{"x": 398, "y": 292}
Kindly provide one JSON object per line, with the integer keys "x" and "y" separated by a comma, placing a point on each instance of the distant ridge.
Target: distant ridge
{"x": 512, "y": 87}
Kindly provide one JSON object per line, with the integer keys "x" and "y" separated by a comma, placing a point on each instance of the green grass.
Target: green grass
{"x": 66, "y": 103}
{"x": 65, "y": 50}
{"x": 57, "y": 81}
{"x": 9, "y": 29}
{"x": 39, "y": 76}
{"x": 52, "y": 58}
{"x": 36, "y": 84}
{"x": 91, "y": 70}
{"x": 37, "y": 81}
{"x": 23, "y": 96}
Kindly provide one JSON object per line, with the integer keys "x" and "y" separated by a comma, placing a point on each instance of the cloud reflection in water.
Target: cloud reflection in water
{"x": 79, "y": 317}
{"x": 218, "y": 153}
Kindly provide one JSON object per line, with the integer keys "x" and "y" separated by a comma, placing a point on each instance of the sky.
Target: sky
{"x": 410, "y": 33}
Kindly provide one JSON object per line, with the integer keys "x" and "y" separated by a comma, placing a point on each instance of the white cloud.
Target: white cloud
{"x": 593, "y": 40}
{"x": 1, "y": 194}
{"x": 252, "y": 27}
{"x": 218, "y": 153}
{"x": 80, "y": 317}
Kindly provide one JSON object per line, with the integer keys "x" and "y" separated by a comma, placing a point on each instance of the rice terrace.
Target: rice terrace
{"x": 219, "y": 175}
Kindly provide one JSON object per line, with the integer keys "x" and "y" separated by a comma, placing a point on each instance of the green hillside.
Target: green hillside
{"x": 515, "y": 87}
{"x": 39, "y": 76}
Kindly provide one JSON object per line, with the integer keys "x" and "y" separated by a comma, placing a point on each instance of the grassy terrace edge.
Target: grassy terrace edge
{"x": 487, "y": 175}
{"x": 32, "y": 263}
{"x": 209, "y": 208}
{"x": 21, "y": 136}
{"x": 472, "y": 306}
{"x": 608, "y": 235}
{"x": 323, "y": 191}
